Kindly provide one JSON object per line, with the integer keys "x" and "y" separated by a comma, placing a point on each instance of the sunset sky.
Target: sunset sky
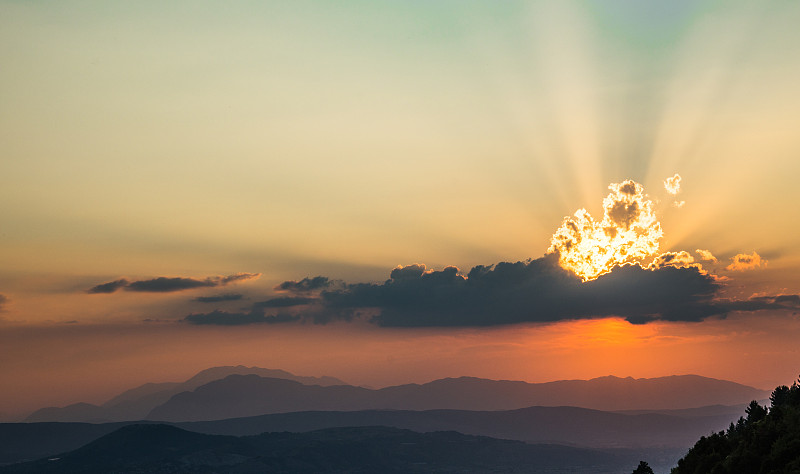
{"x": 174, "y": 175}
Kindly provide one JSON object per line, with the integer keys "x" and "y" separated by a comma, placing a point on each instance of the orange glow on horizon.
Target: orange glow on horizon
{"x": 610, "y": 332}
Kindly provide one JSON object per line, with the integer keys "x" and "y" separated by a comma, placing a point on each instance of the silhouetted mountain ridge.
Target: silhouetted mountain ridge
{"x": 159, "y": 448}
{"x": 251, "y": 395}
{"x": 653, "y": 430}
{"x": 562, "y": 425}
{"x": 136, "y": 403}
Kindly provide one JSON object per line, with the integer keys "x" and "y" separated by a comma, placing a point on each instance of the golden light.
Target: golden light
{"x": 673, "y": 184}
{"x": 628, "y": 233}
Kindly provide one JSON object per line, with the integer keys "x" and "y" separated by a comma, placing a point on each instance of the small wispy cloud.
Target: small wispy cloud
{"x": 305, "y": 285}
{"x": 680, "y": 259}
{"x": 706, "y": 256}
{"x": 673, "y": 184}
{"x": 743, "y": 262}
{"x": 109, "y": 287}
{"x": 673, "y": 187}
{"x": 170, "y": 284}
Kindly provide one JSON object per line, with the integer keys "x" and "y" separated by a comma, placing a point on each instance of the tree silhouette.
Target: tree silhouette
{"x": 767, "y": 441}
{"x": 755, "y": 412}
{"x": 779, "y": 396}
{"x": 643, "y": 469}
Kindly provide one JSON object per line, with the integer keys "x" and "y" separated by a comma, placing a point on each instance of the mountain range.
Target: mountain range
{"x": 611, "y": 417}
{"x": 158, "y": 448}
{"x": 659, "y": 434}
{"x": 137, "y": 403}
{"x": 250, "y": 395}
{"x": 232, "y": 392}
{"x": 561, "y": 425}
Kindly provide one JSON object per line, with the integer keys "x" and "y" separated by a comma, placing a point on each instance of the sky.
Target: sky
{"x": 386, "y": 192}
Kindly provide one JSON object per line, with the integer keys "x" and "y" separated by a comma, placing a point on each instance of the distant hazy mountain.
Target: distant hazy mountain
{"x": 136, "y": 403}
{"x": 85, "y": 412}
{"x": 167, "y": 449}
{"x": 251, "y": 395}
{"x": 603, "y": 393}
{"x": 712, "y": 410}
{"x": 659, "y": 424}
{"x": 559, "y": 425}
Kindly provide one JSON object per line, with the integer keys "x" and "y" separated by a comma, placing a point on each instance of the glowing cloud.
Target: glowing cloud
{"x": 628, "y": 233}
{"x": 673, "y": 187}
{"x": 743, "y": 261}
{"x": 706, "y": 255}
{"x": 673, "y": 184}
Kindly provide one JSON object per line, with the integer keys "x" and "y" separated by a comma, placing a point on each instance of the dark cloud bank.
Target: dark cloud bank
{"x": 507, "y": 293}
{"x": 169, "y": 284}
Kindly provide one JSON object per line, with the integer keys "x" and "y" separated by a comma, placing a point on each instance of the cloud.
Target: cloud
{"x": 170, "y": 284}
{"x": 706, "y": 255}
{"x": 673, "y": 184}
{"x": 743, "y": 262}
{"x": 109, "y": 287}
{"x": 680, "y": 259}
{"x": 415, "y": 270}
{"x": 222, "y": 318}
{"x": 166, "y": 284}
{"x": 219, "y": 298}
{"x": 628, "y": 233}
{"x": 541, "y": 291}
{"x": 757, "y": 303}
{"x": 534, "y": 291}
{"x": 3, "y": 300}
{"x": 673, "y": 187}
{"x": 305, "y": 285}
{"x": 237, "y": 277}
{"x": 510, "y": 293}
